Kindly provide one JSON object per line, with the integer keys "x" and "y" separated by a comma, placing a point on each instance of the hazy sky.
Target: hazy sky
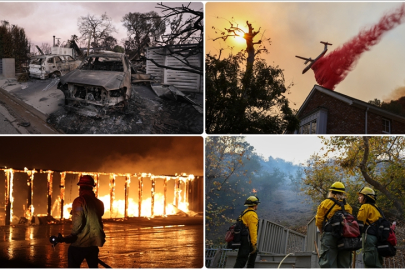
{"x": 296, "y": 149}
{"x": 43, "y": 20}
{"x": 297, "y": 29}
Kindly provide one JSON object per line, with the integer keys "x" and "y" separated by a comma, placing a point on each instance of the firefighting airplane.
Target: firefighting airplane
{"x": 313, "y": 60}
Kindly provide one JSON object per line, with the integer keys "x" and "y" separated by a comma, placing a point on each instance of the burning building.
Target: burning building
{"x": 124, "y": 195}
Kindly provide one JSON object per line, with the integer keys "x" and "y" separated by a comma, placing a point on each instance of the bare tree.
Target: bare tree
{"x": 187, "y": 29}
{"x": 249, "y": 36}
{"x": 98, "y": 28}
{"x": 186, "y": 25}
{"x": 46, "y": 48}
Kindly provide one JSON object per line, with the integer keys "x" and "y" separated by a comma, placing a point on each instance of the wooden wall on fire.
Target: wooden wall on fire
{"x": 196, "y": 195}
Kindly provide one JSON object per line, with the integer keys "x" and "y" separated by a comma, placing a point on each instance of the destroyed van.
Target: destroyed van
{"x": 100, "y": 84}
{"x": 51, "y": 65}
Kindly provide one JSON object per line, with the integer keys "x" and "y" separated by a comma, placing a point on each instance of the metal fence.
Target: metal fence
{"x": 275, "y": 238}
{"x": 271, "y": 238}
{"x": 215, "y": 257}
{"x": 313, "y": 237}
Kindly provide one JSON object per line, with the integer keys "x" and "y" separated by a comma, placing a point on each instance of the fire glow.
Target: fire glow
{"x": 149, "y": 204}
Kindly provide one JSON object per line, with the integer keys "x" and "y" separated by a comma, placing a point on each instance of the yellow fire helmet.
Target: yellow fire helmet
{"x": 338, "y": 186}
{"x": 252, "y": 201}
{"x": 369, "y": 192}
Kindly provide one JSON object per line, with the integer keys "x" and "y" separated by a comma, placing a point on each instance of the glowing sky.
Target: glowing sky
{"x": 157, "y": 155}
{"x": 297, "y": 29}
{"x": 42, "y": 20}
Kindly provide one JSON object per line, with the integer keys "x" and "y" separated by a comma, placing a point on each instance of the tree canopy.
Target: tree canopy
{"x": 377, "y": 162}
{"x": 246, "y": 101}
{"x": 244, "y": 93}
{"x": 14, "y": 44}
{"x": 234, "y": 172}
{"x": 95, "y": 28}
{"x": 143, "y": 29}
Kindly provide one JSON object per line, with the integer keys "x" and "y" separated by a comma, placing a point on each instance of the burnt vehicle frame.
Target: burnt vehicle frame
{"x": 51, "y": 65}
{"x": 102, "y": 83}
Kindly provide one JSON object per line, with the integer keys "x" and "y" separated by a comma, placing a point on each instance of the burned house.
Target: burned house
{"x": 50, "y": 194}
{"x": 329, "y": 112}
{"x": 177, "y": 57}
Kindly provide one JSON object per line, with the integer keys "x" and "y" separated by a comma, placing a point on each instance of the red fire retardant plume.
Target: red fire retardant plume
{"x": 333, "y": 68}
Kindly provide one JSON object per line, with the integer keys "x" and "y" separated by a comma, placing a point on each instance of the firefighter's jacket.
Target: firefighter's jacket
{"x": 324, "y": 207}
{"x": 251, "y": 220}
{"x": 87, "y": 225}
{"x": 368, "y": 213}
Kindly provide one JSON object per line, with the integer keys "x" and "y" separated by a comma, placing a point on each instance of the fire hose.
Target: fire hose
{"x": 284, "y": 259}
{"x": 60, "y": 239}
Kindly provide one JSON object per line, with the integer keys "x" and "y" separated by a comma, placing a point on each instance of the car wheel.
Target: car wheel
{"x": 56, "y": 74}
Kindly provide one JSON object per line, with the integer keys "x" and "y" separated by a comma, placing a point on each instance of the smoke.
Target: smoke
{"x": 167, "y": 163}
{"x": 396, "y": 94}
{"x": 333, "y": 68}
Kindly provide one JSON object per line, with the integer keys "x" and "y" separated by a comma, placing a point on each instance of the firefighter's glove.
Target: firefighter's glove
{"x": 59, "y": 238}
{"x": 254, "y": 249}
{"x": 70, "y": 239}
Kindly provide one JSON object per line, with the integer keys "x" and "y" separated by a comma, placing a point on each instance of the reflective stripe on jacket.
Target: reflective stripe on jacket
{"x": 87, "y": 225}
{"x": 251, "y": 220}
{"x": 324, "y": 207}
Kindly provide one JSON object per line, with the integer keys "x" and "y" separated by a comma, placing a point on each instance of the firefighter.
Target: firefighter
{"x": 87, "y": 227}
{"x": 248, "y": 248}
{"x": 330, "y": 256}
{"x": 368, "y": 214}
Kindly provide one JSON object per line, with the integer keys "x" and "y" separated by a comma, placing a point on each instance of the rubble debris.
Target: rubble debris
{"x": 141, "y": 78}
{"x": 24, "y": 124}
{"x": 172, "y": 93}
{"x": 146, "y": 114}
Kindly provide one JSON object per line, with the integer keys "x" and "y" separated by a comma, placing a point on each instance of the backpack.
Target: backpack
{"x": 385, "y": 233}
{"x": 345, "y": 227}
{"x": 234, "y": 233}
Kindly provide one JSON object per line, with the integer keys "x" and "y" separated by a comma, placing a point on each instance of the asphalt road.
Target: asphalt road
{"x": 25, "y": 110}
{"x": 133, "y": 244}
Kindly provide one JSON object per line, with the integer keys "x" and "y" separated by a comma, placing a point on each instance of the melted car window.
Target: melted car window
{"x": 102, "y": 63}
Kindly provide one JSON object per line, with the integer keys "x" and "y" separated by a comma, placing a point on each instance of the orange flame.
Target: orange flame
{"x": 118, "y": 206}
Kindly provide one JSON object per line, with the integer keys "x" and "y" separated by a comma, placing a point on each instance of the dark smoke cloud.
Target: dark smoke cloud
{"x": 396, "y": 94}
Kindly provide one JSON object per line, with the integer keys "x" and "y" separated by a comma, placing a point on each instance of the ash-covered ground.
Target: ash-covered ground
{"x": 146, "y": 114}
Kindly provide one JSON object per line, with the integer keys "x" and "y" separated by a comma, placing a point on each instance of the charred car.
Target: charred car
{"x": 100, "y": 84}
{"x": 46, "y": 66}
